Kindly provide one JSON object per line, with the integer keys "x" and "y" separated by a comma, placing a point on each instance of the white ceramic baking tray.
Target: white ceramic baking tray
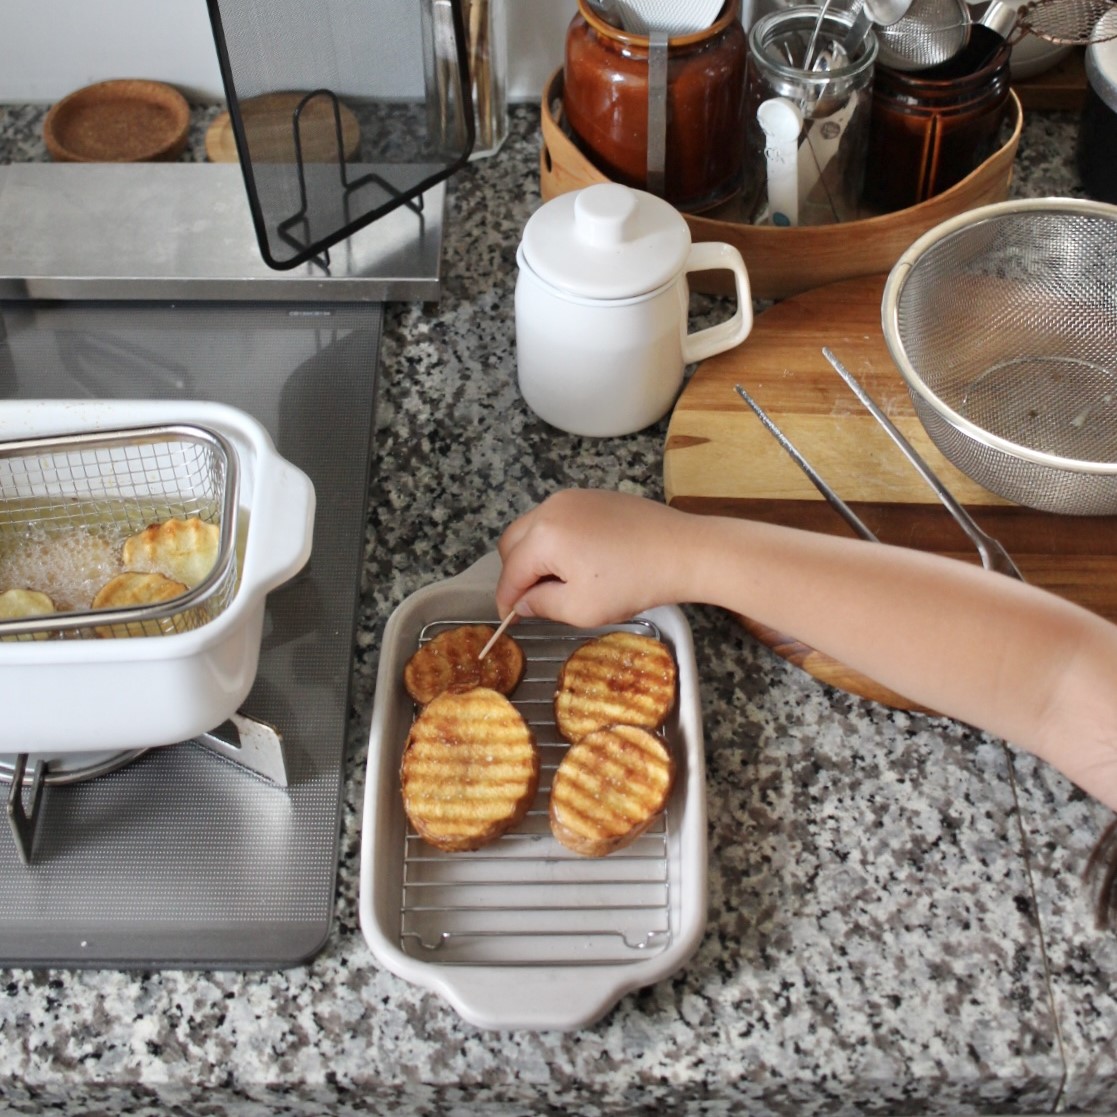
{"x": 524, "y": 935}
{"x": 67, "y": 696}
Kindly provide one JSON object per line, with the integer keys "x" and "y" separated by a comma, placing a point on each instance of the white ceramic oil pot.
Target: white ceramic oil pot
{"x": 601, "y": 309}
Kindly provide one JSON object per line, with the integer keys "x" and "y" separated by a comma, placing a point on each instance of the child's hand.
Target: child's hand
{"x": 588, "y": 558}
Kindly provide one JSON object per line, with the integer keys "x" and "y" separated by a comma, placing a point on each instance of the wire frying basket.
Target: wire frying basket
{"x": 68, "y": 503}
{"x": 1003, "y": 323}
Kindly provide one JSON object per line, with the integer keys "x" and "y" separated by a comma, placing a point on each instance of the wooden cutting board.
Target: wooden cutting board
{"x": 720, "y": 460}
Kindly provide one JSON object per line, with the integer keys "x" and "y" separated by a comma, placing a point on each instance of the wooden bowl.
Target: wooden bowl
{"x": 784, "y": 262}
{"x": 127, "y": 120}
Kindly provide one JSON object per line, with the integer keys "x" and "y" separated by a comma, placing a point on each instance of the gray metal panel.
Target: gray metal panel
{"x": 184, "y": 231}
{"x": 182, "y": 858}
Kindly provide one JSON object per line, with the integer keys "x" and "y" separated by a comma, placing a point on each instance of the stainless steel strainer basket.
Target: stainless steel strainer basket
{"x": 67, "y": 504}
{"x": 1003, "y": 323}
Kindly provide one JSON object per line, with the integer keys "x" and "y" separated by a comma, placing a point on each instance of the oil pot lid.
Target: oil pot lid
{"x": 606, "y": 241}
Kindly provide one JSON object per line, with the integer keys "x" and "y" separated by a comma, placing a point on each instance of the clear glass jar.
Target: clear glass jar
{"x": 806, "y": 118}
{"x": 486, "y": 52}
{"x": 486, "y": 38}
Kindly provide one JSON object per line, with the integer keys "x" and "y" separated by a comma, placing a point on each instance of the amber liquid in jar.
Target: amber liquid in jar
{"x": 931, "y": 128}
{"x": 605, "y": 105}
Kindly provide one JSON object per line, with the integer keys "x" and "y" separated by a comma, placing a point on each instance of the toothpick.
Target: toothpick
{"x": 497, "y": 635}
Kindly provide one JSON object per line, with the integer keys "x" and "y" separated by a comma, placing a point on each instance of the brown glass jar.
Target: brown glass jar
{"x": 605, "y": 101}
{"x": 931, "y": 128}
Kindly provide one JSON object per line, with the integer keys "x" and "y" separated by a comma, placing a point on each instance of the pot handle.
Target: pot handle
{"x": 717, "y": 256}
{"x": 281, "y": 528}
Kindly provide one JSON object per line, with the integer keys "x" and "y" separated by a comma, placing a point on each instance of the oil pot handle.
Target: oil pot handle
{"x": 282, "y": 523}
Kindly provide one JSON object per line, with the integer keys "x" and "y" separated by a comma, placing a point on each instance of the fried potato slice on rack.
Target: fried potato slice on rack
{"x": 470, "y": 769}
{"x": 449, "y": 662}
{"x": 183, "y": 550}
{"x": 609, "y": 787}
{"x": 135, "y": 588}
{"x": 23, "y": 604}
{"x": 621, "y": 678}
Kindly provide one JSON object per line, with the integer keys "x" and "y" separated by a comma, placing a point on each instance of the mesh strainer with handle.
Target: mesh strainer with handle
{"x": 1003, "y": 323}
{"x": 932, "y": 32}
{"x": 1070, "y": 22}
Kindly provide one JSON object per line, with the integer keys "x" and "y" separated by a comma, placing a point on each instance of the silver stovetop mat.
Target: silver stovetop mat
{"x": 181, "y": 858}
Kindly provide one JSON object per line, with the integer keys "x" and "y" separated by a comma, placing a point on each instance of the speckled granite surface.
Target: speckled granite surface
{"x": 895, "y": 921}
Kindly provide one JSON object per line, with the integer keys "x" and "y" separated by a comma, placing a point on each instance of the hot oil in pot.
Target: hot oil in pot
{"x": 69, "y": 558}
{"x": 68, "y": 565}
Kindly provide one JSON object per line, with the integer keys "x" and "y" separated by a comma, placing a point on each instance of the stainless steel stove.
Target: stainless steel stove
{"x": 146, "y": 282}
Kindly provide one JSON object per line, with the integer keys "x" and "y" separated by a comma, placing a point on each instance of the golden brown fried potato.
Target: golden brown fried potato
{"x": 21, "y": 604}
{"x": 621, "y": 678}
{"x": 449, "y": 662}
{"x": 609, "y": 788}
{"x": 470, "y": 769}
{"x": 183, "y": 550}
{"x": 134, "y": 588}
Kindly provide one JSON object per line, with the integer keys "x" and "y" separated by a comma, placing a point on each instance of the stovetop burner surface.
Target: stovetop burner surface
{"x": 180, "y": 858}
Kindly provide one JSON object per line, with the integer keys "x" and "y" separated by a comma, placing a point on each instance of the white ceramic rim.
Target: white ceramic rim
{"x": 589, "y": 300}
{"x": 245, "y": 433}
{"x": 890, "y": 303}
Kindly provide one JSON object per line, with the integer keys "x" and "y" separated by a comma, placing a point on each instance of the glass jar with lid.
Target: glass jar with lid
{"x": 807, "y": 109}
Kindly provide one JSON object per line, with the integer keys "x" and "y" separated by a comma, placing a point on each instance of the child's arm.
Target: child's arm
{"x": 1014, "y": 660}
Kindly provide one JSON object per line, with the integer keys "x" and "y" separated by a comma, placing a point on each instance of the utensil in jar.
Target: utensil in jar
{"x": 781, "y": 122}
{"x": 1066, "y": 22}
{"x": 930, "y": 33}
{"x": 878, "y": 12}
{"x": 1070, "y": 22}
{"x": 608, "y": 11}
{"x": 993, "y": 555}
{"x": 676, "y": 17}
{"x": 809, "y": 60}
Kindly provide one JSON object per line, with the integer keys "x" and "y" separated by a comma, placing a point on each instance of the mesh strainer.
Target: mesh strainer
{"x": 1003, "y": 323}
{"x": 930, "y": 33}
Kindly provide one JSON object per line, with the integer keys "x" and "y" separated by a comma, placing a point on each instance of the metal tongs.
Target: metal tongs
{"x": 993, "y": 555}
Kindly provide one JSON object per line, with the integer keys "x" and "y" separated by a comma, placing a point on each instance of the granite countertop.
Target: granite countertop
{"x": 896, "y": 920}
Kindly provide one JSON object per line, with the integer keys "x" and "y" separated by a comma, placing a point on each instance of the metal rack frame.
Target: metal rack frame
{"x": 525, "y": 900}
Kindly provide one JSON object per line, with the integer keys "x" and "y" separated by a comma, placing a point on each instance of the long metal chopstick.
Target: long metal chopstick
{"x": 832, "y": 497}
{"x": 993, "y": 555}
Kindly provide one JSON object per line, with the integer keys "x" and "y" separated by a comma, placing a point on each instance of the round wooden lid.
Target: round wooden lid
{"x": 268, "y": 124}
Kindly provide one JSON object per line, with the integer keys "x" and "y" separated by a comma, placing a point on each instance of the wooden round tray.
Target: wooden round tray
{"x": 784, "y": 262}
{"x": 267, "y": 120}
{"x": 127, "y": 120}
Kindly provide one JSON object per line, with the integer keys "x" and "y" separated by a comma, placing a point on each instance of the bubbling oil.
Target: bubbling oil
{"x": 71, "y": 558}
{"x": 68, "y": 565}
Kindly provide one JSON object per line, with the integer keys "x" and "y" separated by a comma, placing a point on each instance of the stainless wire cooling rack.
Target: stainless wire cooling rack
{"x": 525, "y": 899}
